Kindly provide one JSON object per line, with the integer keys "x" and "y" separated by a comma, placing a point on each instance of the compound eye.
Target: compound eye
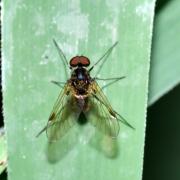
{"x": 74, "y": 61}
{"x": 79, "y": 61}
{"x": 84, "y": 61}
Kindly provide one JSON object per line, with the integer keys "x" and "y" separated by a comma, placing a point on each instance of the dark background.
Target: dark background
{"x": 162, "y": 144}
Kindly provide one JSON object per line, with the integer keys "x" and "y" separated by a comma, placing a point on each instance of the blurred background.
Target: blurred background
{"x": 162, "y": 144}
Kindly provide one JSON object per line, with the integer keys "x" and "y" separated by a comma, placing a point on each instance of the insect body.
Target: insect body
{"x": 80, "y": 79}
{"x": 80, "y": 97}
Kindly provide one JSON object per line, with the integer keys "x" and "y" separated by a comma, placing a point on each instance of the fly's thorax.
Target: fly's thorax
{"x": 80, "y": 81}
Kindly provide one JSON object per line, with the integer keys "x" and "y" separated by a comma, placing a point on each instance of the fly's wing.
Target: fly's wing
{"x": 100, "y": 117}
{"x": 62, "y": 117}
{"x": 102, "y": 114}
{"x": 61, "y": 122}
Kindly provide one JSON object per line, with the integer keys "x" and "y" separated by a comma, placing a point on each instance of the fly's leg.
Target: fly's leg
{"x": 58, "y": 83}
{"x": 103, "y": 59}
{"x": 113, "y": 80}
{"x": 62, "y": 57}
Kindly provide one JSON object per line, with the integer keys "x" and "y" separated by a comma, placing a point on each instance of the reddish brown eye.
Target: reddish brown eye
{"x": 79, "y": 60}
{"x": 84, "y": 61}
{"x": 74, "y": 61}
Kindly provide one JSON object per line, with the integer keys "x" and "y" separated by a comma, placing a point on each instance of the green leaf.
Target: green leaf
{"x": 30, "y": 62}
{"x": 165, "y": 64}
{"x": 3, "y": 151}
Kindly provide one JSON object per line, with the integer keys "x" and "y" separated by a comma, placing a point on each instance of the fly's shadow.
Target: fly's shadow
{"x": 105, "y": 145}
{"x": 56, "y": 151}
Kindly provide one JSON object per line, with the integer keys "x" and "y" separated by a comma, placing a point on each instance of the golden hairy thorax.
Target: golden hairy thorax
{"x": 80, "y": 82}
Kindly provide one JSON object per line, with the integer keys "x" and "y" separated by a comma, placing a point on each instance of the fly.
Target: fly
{"x": 81, "y": 96}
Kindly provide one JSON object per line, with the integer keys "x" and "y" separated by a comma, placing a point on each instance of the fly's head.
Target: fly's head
{"x": 78, "y": 61}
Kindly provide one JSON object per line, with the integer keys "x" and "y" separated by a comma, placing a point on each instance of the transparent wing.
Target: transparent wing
{"x": 63, "y": 121}
{"x": 62, "y": 117}
{"x": 100, "y": 117}
{"x": 100, "y": 95}
{"x": 107, "y": 120}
